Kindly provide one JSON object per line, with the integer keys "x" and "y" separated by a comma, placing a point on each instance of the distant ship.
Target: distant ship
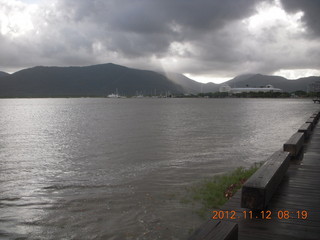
{"x": 268, "y": 88}
{"x": 113, "y": 95}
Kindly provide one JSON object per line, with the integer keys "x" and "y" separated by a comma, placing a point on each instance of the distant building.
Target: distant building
{"x": 268, "y": 88}
{"x": 225, "y": 88}
{"x": 314, "y": 87}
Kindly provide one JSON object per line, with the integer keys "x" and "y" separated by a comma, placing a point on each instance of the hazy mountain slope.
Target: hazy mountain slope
{"x": 189, "y": 85}
{"x": 258, "y": 80}
{"x": 103, "y": 79}
{"x": 2, "y": 74}
{"x": 96, "y": 80}
{"x": 210, "y": 87}
{"x": 245, "y": 80}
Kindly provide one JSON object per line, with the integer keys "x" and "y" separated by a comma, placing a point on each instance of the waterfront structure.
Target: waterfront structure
{"x": 270, "y": 208}
{"x": 225, "y": 88}
{"x": 267, "y": 88}
{"x": 314, "y": 87}
{"x": 112, "y": 95}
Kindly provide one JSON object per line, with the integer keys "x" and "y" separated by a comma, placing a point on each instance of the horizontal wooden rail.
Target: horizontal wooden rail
{"x": 259, "y": 188}
{"x": 216, "y": 230}
{"x": 295, "y": 144}
{"x": 313, "y": 121}
{"x": 317, "y": 114}
{"x": 306, "y": 128}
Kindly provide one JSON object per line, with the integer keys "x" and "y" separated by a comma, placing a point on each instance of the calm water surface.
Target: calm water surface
{"x": 118, "y": 168}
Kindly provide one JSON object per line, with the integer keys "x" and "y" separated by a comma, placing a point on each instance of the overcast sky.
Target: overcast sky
{"x": 208, "y": 40}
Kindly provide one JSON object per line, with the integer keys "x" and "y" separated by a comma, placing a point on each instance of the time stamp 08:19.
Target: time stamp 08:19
{"x": 267, "y": 214}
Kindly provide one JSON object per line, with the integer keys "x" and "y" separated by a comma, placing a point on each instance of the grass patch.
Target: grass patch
{"x": 214, "y": 192}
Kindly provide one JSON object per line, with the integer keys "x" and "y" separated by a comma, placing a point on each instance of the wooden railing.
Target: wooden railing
{"x": 258, "y": 190}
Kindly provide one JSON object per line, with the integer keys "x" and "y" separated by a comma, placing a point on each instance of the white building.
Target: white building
{"x": 268, "y": 88}
{"x": 314, "y": 87}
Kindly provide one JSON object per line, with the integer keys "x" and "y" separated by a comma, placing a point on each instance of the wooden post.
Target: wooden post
{"x": 217, "y": 230}
{"x": 306, "y": 129}
{"x": 315, "y": 116}
{"x": 259, "y": 188}
{"x": 312, "y": 121}
{"x": 317, "y": 113}
{"x": 295, "y": 144}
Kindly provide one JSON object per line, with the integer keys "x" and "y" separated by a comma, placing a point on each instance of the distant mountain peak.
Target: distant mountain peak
{"x": 104, "y": 79}
{"x": 95, "y": 80}
{"x": 2, "y": 74}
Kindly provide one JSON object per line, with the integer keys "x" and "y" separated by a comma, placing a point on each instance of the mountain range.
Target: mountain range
{"x": 259, "y": 80}
{"x": 2, "y": 74}
{"x": 96, "y": 80}
{"x": 104, "y": 79}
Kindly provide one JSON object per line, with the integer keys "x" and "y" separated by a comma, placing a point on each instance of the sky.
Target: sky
{"x": 206, "y": 40}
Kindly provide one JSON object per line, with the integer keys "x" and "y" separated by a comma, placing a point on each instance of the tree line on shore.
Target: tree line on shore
{"x": 296, "y": 94}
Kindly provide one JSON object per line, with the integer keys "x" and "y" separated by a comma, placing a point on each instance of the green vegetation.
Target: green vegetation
{"x": 215, "y": 192}
{"x": 296, "y": 94}
{"x": 214, "y": 95}
{"x": 303, "y": 94}
{"x": 247, "y": 95}
{"x": 264, "y": 95}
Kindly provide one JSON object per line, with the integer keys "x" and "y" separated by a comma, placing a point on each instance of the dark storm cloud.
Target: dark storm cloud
{"x": 311, "y": 12}
{"x": 210, "y": 37}
{"x": 204, "y": 15}
{"x": 145, "y": 16}
{"x": 144, "y": 27}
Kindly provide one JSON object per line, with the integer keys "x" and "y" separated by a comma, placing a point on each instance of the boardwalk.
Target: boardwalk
{"x": 298, "y": 194}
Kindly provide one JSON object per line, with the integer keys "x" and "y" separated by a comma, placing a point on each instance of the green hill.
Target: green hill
{"x": 96, "y": 80}
{"x": 101, "y": 80}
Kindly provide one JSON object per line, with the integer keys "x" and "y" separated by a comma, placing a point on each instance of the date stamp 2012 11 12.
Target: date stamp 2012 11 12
{"x": 266, "y": 214}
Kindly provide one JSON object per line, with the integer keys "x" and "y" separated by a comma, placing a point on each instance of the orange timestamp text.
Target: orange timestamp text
{"x": 266, "y": 214}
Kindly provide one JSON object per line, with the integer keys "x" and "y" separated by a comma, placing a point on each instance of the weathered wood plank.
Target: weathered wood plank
{"x": 225, "y": 230}
{"x": 216, "y": 230}
{"x": 306, "y": 128}
{"x": 312, "y": 121}
{"x": 298, "y": 190}
{"x": 295, "y": 144}
{"x": 204, "y": 230}
{"x": 315, "y": 116}
{"x": 259, "y": 188}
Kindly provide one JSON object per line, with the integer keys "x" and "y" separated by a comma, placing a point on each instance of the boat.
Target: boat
{"x": 113, "y": 95}
{"x": 316, "y": 100}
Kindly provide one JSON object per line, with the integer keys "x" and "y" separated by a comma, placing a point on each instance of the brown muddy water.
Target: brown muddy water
{"x": 119, "y": 168}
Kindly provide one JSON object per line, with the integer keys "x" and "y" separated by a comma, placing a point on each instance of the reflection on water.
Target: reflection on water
{"x": 117, "y": 168}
